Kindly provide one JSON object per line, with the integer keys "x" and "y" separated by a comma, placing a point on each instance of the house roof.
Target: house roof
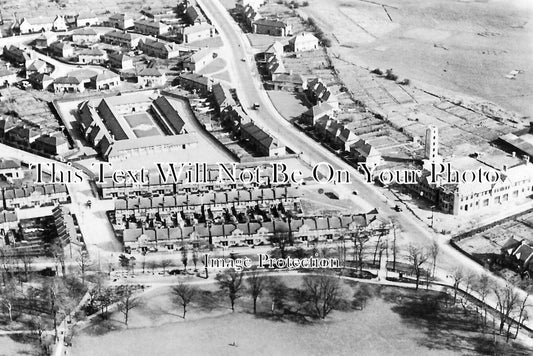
{"x": 150, "y": 72}
{"x": 92, "y": 52}
{"x": 196, "y": 78}
{"x": 222, "y": 95}
{"x": 106, "y": 75}
{"x": 302, "y": 38}
{"x": 120, "y": 57}
{"x": 67, "y": 80}
{"x": 197, "y": 28}
{"x": 84, "y": 32}
{"x": 258, "y": 134}
{"x": 52, "y": 140}
{"x": 319, "y": 110}
{"x": 198, "y": 56}
{"x": 271, "y": 23}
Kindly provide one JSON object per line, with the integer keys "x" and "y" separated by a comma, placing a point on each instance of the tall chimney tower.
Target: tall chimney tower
{"x": 432, "y": 143}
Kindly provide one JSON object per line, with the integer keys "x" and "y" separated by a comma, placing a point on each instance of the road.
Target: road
{"x": 94, "y": 224}
{"x": 249, "y": 90}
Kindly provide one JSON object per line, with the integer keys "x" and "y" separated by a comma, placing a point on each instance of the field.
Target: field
{"x": 395, "y": 322}
{"x": 464, "y": 46}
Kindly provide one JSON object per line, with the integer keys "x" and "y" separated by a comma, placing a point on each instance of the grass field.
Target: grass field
{"x": 465, "y": 46}
{"x": 395, "y": 322}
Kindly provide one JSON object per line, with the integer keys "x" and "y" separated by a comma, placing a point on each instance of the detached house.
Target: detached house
{"x": 198, "y": 32}
{"x": 85, "y": 35}
{"x": 122, "y": 21}
{"x": 92, "y": 56}
{"x": 260, "y": 141}
{"x": 121, "y": 61}
{"x": 311, "y": 116}
{"x": 271, "y": 27}
{"x": 304, "y": 41}
{"x": 192, "y": 81}
{"x": 61, "y": 49}
{"x": 197, "y": 61}
{"x": 150, "y": 77}
{"x": 54, "y": 144}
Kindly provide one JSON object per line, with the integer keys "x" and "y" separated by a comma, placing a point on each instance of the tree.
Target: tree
{"x": 26, "y": 260}
{"x": 281, "y": 240}
{"x": 278, "y": 292}
{"x": 457, "y": 276}
{"x": 185, "y": 294}
{"x": 127, "y": 302}
{"x": 483, "y": 287}
{"x": 8, "y": 297}
{"x": 84, "y": 263}
{"x": 522, "y": 315}
{"x": 256, "y": 284}
{"x": 184, "y": 257}
{"x": 195, "y": 259}
{"x": 165, "y": 263}
{"x": 507, "y": 299}
{"x": 359, "y": 242}
{"x": 324, "y": 293}
{"x": 434, "y": 252}
{"x": 417, "y": 257}
{"x": 230, "y": 281}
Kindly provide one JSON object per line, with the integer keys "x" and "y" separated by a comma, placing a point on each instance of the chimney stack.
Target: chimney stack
{"x": 513, "y": 154}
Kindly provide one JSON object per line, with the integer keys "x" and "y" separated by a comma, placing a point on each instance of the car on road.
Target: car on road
{"x": 174, "y": 272}
{"x": 256, "y": 106}
{"x": 243, "y": 59}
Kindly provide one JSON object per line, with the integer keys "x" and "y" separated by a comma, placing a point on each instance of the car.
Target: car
{"x": 243, "y": 59}
{"x": 397, "y": 208}
{"x": 355, "y": 192}
{"x": 174, "y": 272}
{"x": 256, "y": 106}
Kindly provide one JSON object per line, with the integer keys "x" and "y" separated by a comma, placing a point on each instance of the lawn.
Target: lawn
{"x": 394, "y": 322}
{"x": 289, "y": 105}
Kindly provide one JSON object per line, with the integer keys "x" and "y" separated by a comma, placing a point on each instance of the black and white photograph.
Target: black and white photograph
{"x": 266, "y": 177}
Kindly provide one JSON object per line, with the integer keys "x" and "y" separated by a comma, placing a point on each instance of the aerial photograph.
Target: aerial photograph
{"x": 266, "y": 177}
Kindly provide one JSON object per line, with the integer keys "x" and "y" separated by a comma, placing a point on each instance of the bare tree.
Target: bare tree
{"x": 184, "y": 257}
{"x": 127, "y": 302}
{"x": 359, "y": 242}
{"x": 522, "y": 315}
{"x": 507, "y": 300}
{"x": 230, "y": 281}
{"x": 165, "y": 263}
{"x": 195, "y": 259}
{"x": 457, "y": 276}
{"x": 26, "y": 260}
{"x": 256, "y": 284}
{"x": 324, "y": 293}
{"x": 8, "y": 298}
{"x": 417, "y": 257}
{"x": 84, "y": 263}
{"x": 434, "y": 252}
{"x": 281, "y": 240}
{"x": 483, "y": 288}
{"x": 278, "y": 292}
{"x": 185, "y": 294}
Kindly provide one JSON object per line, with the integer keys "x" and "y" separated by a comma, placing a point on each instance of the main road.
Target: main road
{"x": 249, "y": 89}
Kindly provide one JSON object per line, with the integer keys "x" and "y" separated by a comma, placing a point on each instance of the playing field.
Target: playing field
{"x": 395, "y": 322}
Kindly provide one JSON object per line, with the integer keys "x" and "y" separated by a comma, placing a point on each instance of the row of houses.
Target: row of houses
{"x": 27, "y": 25}
{"x": 191, "y": 201}
{"x": 310, "y": 230}
{"x": 33, "y": 196}
{"x": 215, "y": 180}
{"x": 25, "y": 136}
{"x": 329, "y": 130}
{"x": 265, "y": 26}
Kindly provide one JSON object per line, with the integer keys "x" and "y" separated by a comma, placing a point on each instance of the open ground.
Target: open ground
{"x": 464, "y": 46}
{"x": 387, "y": 325}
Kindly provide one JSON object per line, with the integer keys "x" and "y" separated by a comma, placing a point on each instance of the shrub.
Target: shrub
{"x": 390, "y": 75}
{"x": 377, "y": 71}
